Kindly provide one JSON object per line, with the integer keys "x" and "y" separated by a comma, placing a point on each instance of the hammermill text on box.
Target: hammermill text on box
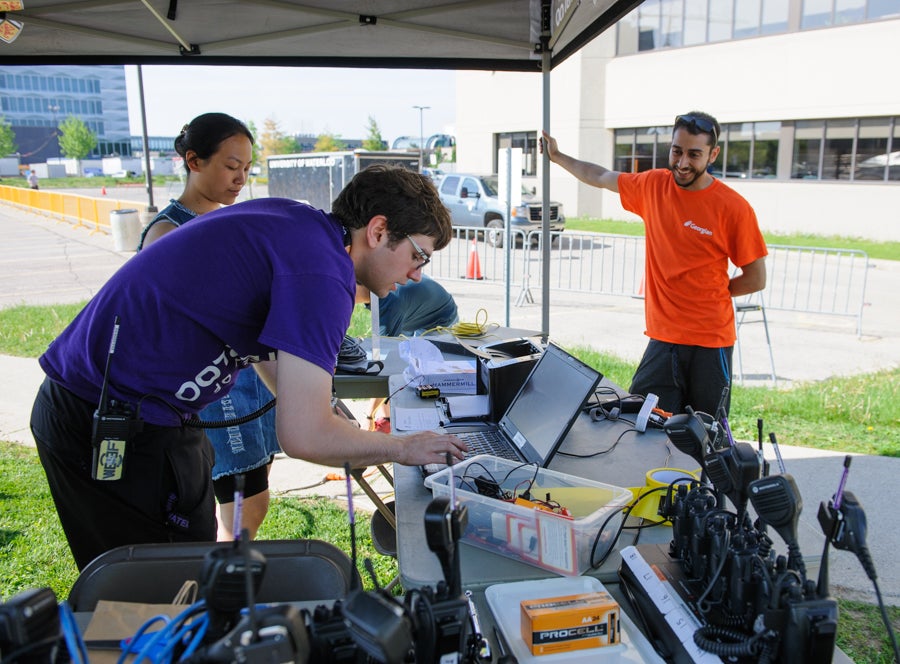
{"x": 449, "y": 376}
{"x": 570, "y": 622}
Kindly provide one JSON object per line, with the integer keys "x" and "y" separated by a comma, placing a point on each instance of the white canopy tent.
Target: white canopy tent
{"x": 494, "y": 35}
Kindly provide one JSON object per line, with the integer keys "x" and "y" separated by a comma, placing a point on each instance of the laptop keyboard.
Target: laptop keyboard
{"x": 487, "y": 442}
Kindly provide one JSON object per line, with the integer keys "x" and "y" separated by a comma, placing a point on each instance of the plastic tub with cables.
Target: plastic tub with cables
{"x": 538, "y": 516}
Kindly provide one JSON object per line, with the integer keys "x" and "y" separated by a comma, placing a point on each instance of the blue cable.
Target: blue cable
{"x": 74, "y": 642}
{"x": 188, "y": 627}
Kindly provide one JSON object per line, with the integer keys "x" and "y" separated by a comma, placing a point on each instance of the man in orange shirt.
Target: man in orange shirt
{"x": 694, "y": 225}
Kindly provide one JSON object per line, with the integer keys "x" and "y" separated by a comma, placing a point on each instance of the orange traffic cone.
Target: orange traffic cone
{"x": 473, "y": 270}
{"x": 640, "y": 293}
{"x": 103, "y": 191}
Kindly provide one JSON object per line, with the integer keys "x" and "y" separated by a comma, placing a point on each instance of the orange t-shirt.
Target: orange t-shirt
{"x": 691, "y": 235}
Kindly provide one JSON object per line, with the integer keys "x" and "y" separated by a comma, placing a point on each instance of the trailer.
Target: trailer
{"x": 318, "y": 177}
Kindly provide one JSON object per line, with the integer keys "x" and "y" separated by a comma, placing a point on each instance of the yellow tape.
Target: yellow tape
{"x": 657, "y": 478}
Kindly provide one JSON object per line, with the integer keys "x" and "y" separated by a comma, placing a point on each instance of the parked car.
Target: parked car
{"x": 473, "y": 200}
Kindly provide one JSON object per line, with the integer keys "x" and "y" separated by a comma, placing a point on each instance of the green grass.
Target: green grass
{"x": 26, "y": 330}
{"x": 846, "y": 414}
{"x": 33, "y": 550}
{"x": 880, "y": 250}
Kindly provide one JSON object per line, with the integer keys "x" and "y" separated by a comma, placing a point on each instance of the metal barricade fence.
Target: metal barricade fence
{"x": 817, "y": 280}
{"x": 802, "y": 279}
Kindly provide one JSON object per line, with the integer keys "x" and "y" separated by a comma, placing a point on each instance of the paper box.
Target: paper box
{"x": 449, "y": 376}
{"x": 571, "y": 622}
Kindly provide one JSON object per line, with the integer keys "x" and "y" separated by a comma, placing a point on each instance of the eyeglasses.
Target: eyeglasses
{"x": 701, "y": 124}
{"x": 426, "y": 259}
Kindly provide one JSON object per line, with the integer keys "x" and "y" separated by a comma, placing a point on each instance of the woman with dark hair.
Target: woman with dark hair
{"x": 218, "y": 151}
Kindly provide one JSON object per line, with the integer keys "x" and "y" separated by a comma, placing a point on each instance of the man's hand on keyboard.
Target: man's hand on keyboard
{"x": 427, "y": 447}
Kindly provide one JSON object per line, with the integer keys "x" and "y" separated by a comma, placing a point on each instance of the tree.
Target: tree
{"x": 7, "y": 138}
{"x": 271, "y": 140}
{"x": 373, "y": 140}
{"x": 76, "y": 141}
{"x": 329, "y": 143}
{"x": 255, "y": 153}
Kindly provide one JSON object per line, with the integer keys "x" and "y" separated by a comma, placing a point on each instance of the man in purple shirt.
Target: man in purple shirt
{"x": 268, "y": 283}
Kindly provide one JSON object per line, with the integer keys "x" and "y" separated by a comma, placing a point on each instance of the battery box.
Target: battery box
{"x": 570, "y": 622}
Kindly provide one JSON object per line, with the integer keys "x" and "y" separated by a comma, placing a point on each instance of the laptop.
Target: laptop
{"x": 539, "y": 416}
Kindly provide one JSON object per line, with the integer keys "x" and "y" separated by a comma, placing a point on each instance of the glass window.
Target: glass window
{"x": 774, "y": 16}
{"x": 644, "y": 149}
{"x": 2, "y": 80}
{"x": 720, "y": 20}
{"x": 663, "y": 141}
{"x": 849, "y": 11}
{"x": 765, "y": 149}
{"x": 815, "y": 14}
{"x": 894, "y": 153}
{"x": 807, "y": 149}
{"x": 448, "y": 184}
{"x": 627, "y": 34}
{"x": 672, "y": 22}
{"x": 527, "y": 141}
{"x": 882, "y": 9}
{"x": 872, "y": 149}
{"x": 623, "y": 151}
{"x": 837, "y": 157}
{"x": 739, "y": 139}
{"x": 746, "y": 18}
{"x": 648, "y": 25}
{"x": 694, "y": 22}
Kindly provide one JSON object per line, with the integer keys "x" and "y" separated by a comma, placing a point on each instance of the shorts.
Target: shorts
{"x": 244, "y": 447}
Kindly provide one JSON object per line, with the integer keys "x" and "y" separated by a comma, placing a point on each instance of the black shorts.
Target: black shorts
{"x": 165, "y": 494}
{"x": 684, "y": 376}
{"x": 255, "y": 481}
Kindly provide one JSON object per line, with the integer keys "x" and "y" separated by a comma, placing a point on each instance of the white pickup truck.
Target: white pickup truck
{"x": 473, "y": 201}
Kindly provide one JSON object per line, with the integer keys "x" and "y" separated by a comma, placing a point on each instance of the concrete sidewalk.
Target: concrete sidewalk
{"x": 44, "y": 261}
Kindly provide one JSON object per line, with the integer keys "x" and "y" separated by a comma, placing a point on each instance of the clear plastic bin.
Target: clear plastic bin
{"x": 547, "y": 539}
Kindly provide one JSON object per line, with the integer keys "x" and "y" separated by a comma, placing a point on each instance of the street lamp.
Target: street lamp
{"x": 422, "y": 109}
{"x": 53, "y": 108}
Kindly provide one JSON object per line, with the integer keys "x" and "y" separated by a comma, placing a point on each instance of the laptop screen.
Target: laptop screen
{"x": 548, "y": 403}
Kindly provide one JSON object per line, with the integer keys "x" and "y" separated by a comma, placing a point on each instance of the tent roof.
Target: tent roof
{"x": 502, "y": 35}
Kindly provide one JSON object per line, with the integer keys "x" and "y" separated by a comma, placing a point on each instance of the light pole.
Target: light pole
{"x": 53, "y": 108}
{"x": 422, "y": 109}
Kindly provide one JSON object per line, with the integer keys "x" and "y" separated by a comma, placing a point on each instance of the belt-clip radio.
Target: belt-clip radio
{"x": 114, "y": 425}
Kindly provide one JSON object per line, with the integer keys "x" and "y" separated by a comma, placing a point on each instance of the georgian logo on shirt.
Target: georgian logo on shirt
{"x": 694, "y": 227}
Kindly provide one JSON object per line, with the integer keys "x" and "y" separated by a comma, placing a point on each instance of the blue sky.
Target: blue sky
{"x": 300, "y": 99}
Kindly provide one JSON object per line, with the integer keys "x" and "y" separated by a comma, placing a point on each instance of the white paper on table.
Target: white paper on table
{"x": 469, "y": 405}
{"x": 415, "y": 419}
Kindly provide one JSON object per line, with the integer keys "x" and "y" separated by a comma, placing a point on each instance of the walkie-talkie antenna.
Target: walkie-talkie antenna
{"x": 237, "y": 519}
{"x": 778, "y": 456}
{"x": 353, "y": 553}
{"x": 103, "y": 407}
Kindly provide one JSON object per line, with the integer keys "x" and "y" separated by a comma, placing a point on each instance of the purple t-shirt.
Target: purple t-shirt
{"x": 230, "y": 288}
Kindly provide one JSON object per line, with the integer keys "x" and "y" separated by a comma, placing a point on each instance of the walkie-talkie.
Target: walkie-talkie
{"x": 114, "y": 425}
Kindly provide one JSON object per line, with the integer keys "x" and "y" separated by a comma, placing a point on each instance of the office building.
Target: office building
{"x": 803, "y": 90}
{"x": 36, "y": 99}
